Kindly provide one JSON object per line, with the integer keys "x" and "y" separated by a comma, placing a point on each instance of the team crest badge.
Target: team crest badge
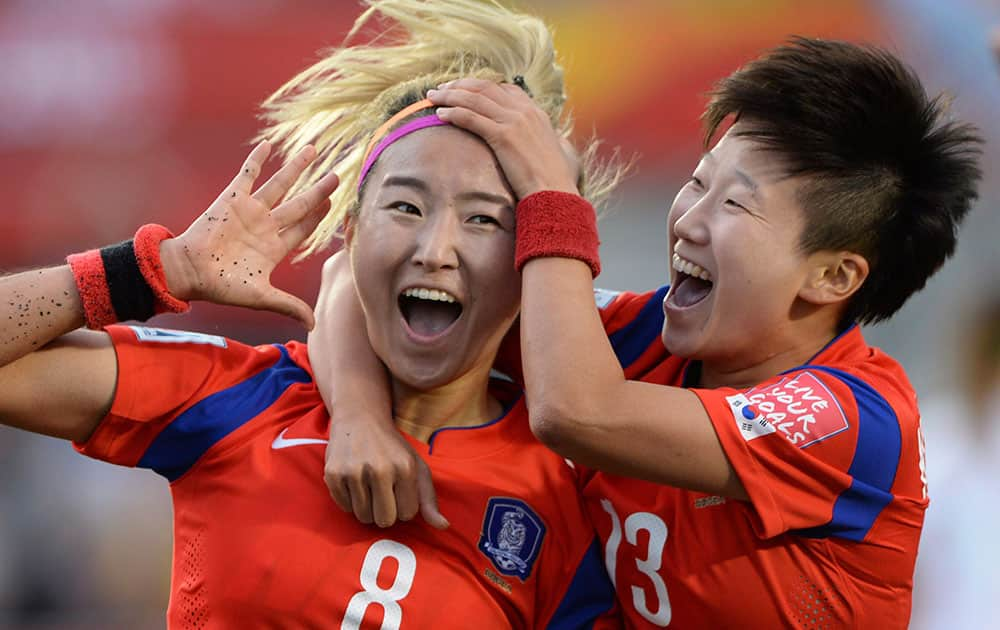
{"x": 512, "y": 536}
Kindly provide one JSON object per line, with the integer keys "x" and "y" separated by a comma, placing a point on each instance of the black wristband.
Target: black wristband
{"x": 131, "y": 297}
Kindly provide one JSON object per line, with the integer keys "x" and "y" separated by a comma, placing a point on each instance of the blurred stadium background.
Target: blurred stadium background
{"x": 115, "y": 113}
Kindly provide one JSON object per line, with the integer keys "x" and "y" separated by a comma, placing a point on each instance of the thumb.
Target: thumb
{"x": 428, "y": 499}
{"x": 284, "y": 303}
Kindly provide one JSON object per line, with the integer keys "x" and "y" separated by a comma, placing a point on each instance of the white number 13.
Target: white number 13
{"x": 654, "y": 556}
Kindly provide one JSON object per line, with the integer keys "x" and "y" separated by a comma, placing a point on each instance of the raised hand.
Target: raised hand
{"x": 227, "y": 255}
{"x": 531, "y": 153}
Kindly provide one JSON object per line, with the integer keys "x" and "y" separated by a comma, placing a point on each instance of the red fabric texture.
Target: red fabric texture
{"x": 552, "y": 223}
{"x": 147, "y": 253}
{"x": 88, "y": 270}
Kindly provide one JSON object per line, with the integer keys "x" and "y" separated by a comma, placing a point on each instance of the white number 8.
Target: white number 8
{"x": 388, "y": 598}
{"x": 654, "y": 556}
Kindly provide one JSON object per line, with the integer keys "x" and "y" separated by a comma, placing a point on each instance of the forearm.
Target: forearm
{"x": 38, "y": 306}
{"x": 560, "y": 327}
{"x": 350, "y": 377}
{"x": 582, "y": 406}
{"x": 370, "y": 468}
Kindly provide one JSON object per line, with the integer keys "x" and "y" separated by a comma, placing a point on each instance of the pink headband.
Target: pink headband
{"x": 414, "y": 125}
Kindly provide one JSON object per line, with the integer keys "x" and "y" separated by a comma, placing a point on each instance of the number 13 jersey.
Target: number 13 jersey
{"x": 830, "y": 455}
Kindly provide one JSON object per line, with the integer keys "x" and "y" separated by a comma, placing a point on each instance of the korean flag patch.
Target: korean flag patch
{"x": 750, "y": 422}
{"x": 512, "y": 536}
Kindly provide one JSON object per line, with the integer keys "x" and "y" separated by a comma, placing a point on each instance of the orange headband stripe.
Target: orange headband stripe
{"x": 387, "y": 125}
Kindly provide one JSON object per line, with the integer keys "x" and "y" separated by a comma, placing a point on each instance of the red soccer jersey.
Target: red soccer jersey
{"x": 830, "y": 455}
{"x": 240, "y": 432}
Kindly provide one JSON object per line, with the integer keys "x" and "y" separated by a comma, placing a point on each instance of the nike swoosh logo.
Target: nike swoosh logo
{"x": 280, "y": 441}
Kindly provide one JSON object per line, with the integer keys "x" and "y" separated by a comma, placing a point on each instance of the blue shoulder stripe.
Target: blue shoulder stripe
{"x": 873, "y": 469}
{"x": 589, "y": 595}
{"x": 196, "y": 430}
{"x": 631, "y": 341}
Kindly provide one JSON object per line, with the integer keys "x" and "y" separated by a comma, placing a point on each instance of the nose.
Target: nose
{"x": 437, "y": 243}
{"x": 689, "y": 220}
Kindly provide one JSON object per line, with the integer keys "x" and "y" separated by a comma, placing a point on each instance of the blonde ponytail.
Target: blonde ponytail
{"x": 338, "y": 102}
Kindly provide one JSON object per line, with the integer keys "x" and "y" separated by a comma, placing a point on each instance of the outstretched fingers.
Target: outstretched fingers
{"x": 243, "y": 182}
{"x": 293, "y": 235}
{"x": 300, "y": 206}
{"x": 275, "y": 188}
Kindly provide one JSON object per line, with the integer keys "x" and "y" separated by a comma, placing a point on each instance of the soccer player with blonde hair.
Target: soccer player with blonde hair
{"x": 238, "y": 431}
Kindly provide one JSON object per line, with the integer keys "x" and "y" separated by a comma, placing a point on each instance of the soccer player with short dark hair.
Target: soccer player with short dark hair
{"x": 753, "y": 462}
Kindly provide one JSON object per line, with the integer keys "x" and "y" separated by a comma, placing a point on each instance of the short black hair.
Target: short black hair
{"x": 887, "y": 174}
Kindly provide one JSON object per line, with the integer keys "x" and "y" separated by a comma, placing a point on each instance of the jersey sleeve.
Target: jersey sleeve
{"x": 634, "y": 322}
{"x": 817, "y": 450}
{"x": 179, "y": 393}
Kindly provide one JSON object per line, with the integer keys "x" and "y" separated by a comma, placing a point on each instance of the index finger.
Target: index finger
{"x": 243, "y": 182}
{"x": 470, "y": 84}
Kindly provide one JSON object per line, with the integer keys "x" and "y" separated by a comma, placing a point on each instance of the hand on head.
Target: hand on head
{"x": 227, "y": 255}
{"x": 529, "y": 150}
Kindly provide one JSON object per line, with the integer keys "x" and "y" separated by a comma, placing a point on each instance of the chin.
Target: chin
{"x": 678, "y": 347}
{"x": 679, "y": 343}
{"x": 424, "y": 379}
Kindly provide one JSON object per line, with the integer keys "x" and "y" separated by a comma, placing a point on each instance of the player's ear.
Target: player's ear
{"x": 833, "y": 276}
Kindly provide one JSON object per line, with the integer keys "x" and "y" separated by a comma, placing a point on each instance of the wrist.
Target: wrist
{"x": 364, "y": 418}
{"x": 560, "y": 224}
{"x": 569, "y": 188}
{"x": 125, "y": 281}
{"x": 179, "y": 273}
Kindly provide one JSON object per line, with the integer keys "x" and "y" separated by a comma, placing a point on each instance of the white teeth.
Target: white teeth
{"x": 691, "y": 269}
{"x": 430, "y": 294}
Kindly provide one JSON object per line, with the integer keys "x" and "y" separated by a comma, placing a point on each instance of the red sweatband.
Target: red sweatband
{"x": 88, "y": 270}
{"x": 125, "y": 281}
{"x": 147, "y": 253}
{"x": 560, "y": 224}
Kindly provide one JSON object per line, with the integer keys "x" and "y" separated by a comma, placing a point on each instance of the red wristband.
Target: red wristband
{"x": 147, "y": 253}
{"x": 125, "y": 281}
{"x": 88, "y": 270}
{"x": 552, "y": 223}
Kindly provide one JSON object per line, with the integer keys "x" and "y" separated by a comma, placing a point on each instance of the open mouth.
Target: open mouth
{"x": 429, "y": 312}
{"x": 693, "y": 283}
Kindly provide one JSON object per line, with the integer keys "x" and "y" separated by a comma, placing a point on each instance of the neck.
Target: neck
{"x": 744, "y": 372}
{"x": 464, "y": 402}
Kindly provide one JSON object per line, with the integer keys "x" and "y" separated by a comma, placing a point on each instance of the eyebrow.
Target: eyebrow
{"x": 750, "y": 182}
{"x": 472, "y": 195}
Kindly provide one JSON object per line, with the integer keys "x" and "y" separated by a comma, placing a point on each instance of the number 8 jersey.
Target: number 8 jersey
{"x": 831, "y": 457}
{"x": 240, "y": 433}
